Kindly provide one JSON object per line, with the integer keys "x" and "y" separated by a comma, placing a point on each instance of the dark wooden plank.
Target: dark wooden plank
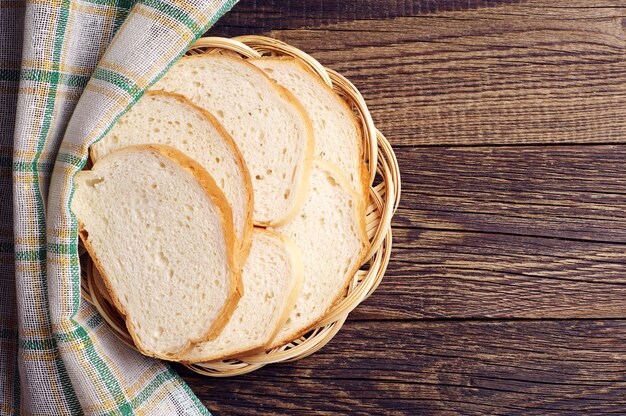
{"x": 512, "y": 368}
{"x": 465, "y": 242}
{"x": 527, "y": 72}
{"x": 576, "y": 192}
{"x": 442, "y": 274}
{"x": 254, "y": 16}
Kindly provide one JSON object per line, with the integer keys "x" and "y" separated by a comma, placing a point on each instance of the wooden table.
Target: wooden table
{"x": 506, "y": 292}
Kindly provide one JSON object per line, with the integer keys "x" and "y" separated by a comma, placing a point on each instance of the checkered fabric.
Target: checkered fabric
{"x": 68, "y": 70}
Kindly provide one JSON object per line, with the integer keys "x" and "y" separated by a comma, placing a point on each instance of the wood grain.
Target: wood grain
{"x": 532, "y": 232}
{"x": 565, "y": 192}
{"x": 253, "y": 17}
{"x": 423, "y": 368}
{"x": 444, "y": 274}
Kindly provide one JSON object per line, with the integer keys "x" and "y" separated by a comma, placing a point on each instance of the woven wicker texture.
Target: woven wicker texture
{"x": 384, "y": 199}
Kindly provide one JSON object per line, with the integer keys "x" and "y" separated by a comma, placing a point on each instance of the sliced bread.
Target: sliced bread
{"x": 268, "y": 124}
{"x": 160, "y": 232}
{"x": 171, "y": 119}
{"x": 272, "y": 277}
{"x": 337, "y": 134}
{"x": 330, "y": 232}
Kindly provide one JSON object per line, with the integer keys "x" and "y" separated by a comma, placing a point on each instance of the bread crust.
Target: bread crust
{"x": 219, "y": 200}
{"x": 298, "y": 268}
{"x": 363, "y": 168}
{"x": 361, "y": 212}
{"x": 246, "y": 240}
{"x": 292, "y": 102}
{"x": 288, "y": 303}
{"x": 100, "y": 286}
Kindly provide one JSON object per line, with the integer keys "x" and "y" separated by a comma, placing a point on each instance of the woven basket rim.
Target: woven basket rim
{"x": 385, "y": 188}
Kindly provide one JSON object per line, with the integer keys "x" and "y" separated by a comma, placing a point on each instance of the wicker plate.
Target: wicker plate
{"x": 384, "y": 198}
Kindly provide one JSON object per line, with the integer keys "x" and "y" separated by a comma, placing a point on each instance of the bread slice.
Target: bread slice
{"x": 268, "y": 124}
{"x": 272, "y": 277}
{"x": 337, "y": 134}
{"x": 330, "y": 232}
{"x": 160, "y": 232}
{"x": 171, "y": 119}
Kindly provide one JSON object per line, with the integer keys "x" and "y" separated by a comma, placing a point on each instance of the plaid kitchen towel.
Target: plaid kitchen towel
{"x": 68, "y": 70}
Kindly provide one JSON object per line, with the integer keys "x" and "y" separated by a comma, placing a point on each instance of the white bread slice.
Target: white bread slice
{"x": 330, "y": 232}
{"x": 160, "y": 232}
{"x": 272, "y": 277}
{"x": 171, "y": 119}
{"x": 337, "y": 134}
{"x": 269, "y": 125}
